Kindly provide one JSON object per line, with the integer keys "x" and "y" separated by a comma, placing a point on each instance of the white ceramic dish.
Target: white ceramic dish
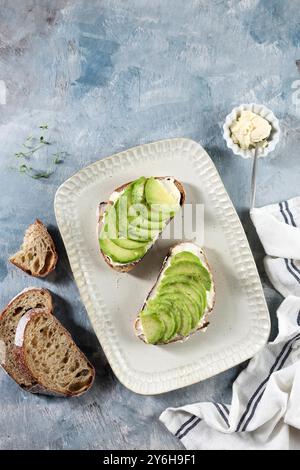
{"x": 262, "y": 111}
{"x": 240, "y": 322}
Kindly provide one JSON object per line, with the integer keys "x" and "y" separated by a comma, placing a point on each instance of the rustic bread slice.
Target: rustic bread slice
{"x": 37, "y": 255}
{"x": 48, "y": 356}
{"x": 211, "y": 295}
{"x": 9, "y": 318}
{"x": 124, "y": 268}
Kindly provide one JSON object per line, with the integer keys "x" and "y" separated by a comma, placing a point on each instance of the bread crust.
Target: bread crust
{"x": 24, "y": 293}
{"x": 39, "y": 226}
{"x": 102, "y": 207}
{"x": 204, "y": 320}
{"x": 20, "y": 354}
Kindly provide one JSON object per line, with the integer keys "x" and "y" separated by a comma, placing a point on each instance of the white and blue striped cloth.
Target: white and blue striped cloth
{"x": 278, "y": 227}
{"x": 265, "y": 408}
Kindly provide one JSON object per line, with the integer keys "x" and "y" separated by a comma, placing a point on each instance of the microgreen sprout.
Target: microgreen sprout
{"x": 31, "y": 148}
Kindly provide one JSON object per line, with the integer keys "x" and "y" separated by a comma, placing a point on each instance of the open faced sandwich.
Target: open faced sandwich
{"x": 181, "y": 300}
{"x": 134, "y": 217}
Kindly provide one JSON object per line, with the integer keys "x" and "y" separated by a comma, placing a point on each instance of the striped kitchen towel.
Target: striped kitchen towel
{"x": 278, "y": 227}
{"x": 264, "y": 411}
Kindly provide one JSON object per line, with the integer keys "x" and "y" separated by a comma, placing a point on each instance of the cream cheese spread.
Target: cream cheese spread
{"x": 250, "y": 130}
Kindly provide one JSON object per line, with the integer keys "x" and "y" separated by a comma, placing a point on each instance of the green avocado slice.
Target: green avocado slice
{"x": 138, "y": 191}
{"x": 129, "y": 244}
{"x": 170, "y": 327}
{"x": 153, "y": 328}
{"x": 163, "y": 313}
{"x": 185, "y": 324}
{"x": 159, "y": 198}
{"x": 184, "y": 309}
{"x": 148, "y": 224}
{"x": 121, "y": 207}
{"x": 191, "y": 297}
{"x": 167, "y": 303}
{"x": 192, "y": 281}
{"x": 118, "y": 254}
{"x": 190, "y": 288}
{"x": 141, "y": 234}
{"x": 191, "y": 269}
{"x": 139, "y": 215}
{"x": 156, "y": 193}
{"x": 185, "y": 256}
{"x": 109, "y": 228}
{"x": 159, "y": 215}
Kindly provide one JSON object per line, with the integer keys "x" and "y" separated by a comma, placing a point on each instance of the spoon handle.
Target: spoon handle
{"x": 253, "y": 179}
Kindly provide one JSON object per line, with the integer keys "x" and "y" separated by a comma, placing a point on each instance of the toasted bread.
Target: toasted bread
{"x": 37, "y": 255}
{"x": 124, "y": 268}
{"x": 204, "y": 321}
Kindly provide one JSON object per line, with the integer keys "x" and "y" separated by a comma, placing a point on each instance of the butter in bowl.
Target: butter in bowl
{"x": 250, "y": 127}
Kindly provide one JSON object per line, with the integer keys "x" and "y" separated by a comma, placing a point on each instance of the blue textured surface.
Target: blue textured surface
{"x": 107, "y": 75}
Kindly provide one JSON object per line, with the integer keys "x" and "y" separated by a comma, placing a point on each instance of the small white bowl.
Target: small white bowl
{"x": 262, "y": 111}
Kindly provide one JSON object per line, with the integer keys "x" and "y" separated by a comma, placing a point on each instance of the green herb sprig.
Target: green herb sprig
{"x": 28, "y": 170}
{"x": 30, "y": 147}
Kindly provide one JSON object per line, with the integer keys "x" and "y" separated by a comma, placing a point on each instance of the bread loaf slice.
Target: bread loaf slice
{"x": 48, "y": 356}
{"x": 37, "y": 256}
{"x": 190, "y": 251}
{"x": 9, "y": 318}
{"x": 103, "y": 206}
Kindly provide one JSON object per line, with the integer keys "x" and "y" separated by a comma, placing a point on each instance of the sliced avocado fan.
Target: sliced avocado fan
{"x": 179, "y": 302}
{"x": 136, "y": 219}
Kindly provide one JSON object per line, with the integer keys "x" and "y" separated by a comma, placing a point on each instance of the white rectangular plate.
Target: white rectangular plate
{"x": 240, "y": 320}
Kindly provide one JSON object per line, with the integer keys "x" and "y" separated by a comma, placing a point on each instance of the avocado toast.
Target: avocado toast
{"x": 134, "y": 217}
{"x": 181, "y": 300}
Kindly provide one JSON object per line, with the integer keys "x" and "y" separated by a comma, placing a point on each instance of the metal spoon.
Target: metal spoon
{"x": 253, "y": 178}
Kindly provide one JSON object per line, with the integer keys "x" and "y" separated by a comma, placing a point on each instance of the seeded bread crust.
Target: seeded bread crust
{"x": 9, "y": 318}
{"x": 24, "y": 347}
{"x": 37, "y": 255}
{"x": 204, "y": 320}
{"x": 102, "y": 208}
